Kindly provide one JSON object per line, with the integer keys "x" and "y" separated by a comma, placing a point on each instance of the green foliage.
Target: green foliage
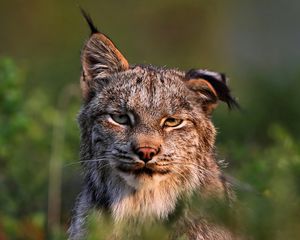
{"x": 27, "y": 122}
{"x": 271, "y": 210}
{"x": 12, "y": 117}
{"x": 19, "y": 183}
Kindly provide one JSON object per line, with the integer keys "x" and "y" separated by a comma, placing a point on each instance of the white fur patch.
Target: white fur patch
{"x": 144, "y": 198}
{"x": 143, "y": 181}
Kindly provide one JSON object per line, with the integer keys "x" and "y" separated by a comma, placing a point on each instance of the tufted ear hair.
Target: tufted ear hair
{"x": 211, "y": 86}
{"x": 100, "y": 58}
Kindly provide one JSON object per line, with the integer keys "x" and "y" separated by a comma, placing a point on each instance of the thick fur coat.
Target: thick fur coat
{"x": 147, "y": 140}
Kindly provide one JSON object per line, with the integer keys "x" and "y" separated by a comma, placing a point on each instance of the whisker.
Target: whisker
{"x": 88, "y": 160}
{"x": 103, "y": 166}
{"x": 127, "y": 162}
{"x": 124, "y": 156}
{"x": 197, "y": 166}
{"x": 181, "y": 174}
{"x": 106, "y": 158}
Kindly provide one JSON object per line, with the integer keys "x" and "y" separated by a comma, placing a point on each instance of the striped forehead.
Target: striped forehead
{"x": 151, "y": 91}
{"x": 155, "y": 91}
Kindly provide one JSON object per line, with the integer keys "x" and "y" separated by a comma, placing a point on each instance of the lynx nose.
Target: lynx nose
{"x": 146, "y": 153}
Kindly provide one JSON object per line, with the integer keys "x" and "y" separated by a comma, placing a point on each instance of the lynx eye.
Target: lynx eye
{"x": 172, "y": 122}
{"x": 122, "y": 119}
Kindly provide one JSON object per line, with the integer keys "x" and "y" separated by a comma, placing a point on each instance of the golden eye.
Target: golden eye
{"x": 122, "y": 119}
{"x": 172, "y": 122}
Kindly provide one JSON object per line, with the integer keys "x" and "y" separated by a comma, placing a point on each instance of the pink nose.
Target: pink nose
{"x": 146, "y": 153}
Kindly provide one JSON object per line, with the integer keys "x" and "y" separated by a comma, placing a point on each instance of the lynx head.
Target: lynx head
{"x": 146, "y": 133}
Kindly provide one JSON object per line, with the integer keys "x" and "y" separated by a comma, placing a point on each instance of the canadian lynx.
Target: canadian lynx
{"x": 147, "y": 140}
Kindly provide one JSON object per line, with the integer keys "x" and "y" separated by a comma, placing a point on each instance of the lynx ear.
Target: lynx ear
{"x": 212, "y": 86}
{"x": 100, "y": 58}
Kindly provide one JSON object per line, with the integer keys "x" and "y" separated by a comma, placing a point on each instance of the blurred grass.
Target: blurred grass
{"x": 258, "y": 50}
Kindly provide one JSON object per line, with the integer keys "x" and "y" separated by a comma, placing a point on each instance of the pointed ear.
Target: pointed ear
{"x": 211, "y": 87}
{"x": 100, "y": 58}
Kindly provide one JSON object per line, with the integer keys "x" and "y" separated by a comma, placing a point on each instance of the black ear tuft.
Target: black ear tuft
{"x": 89, "y": 20}
{"x": 218, "y": 81}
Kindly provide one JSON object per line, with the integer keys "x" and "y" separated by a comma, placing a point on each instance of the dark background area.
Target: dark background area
{"x": 256, "y": 43}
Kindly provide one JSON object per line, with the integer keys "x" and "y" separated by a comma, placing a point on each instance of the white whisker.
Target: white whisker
{"x": 88, "y": 160}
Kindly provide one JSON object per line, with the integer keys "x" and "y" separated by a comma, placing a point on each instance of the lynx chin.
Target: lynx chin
{"x": 147, "y": 142}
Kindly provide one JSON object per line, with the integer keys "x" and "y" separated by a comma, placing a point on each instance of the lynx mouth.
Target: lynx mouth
{"x": 144, "y": 170}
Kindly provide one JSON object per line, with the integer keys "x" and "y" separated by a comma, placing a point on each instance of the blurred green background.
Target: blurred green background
{"x": 257, "y": 43}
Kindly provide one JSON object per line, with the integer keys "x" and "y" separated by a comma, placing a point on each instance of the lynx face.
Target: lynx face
{"x": 146, "y": 133}
{"x": 147, "y": 126}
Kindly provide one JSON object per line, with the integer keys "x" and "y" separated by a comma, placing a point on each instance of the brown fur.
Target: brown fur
{"x": 117, "y": 180}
